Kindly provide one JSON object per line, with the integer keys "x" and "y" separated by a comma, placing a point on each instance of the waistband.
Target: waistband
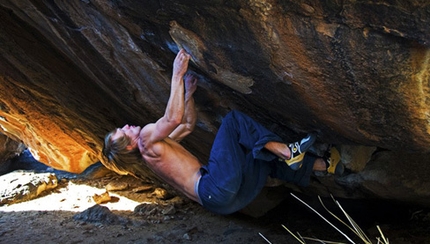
{"x": 196, "y": 187}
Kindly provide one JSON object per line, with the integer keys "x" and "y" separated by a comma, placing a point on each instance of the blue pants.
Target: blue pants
{"x": 239, "y": 165}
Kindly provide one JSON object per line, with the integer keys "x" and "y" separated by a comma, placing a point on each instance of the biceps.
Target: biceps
{"x": 162, "y": 129}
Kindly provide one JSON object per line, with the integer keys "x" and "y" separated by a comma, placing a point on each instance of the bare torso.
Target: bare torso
{"x": 171, "y": 162}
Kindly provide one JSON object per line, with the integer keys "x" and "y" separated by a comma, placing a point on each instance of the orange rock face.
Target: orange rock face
{"x": 42, "y": 134}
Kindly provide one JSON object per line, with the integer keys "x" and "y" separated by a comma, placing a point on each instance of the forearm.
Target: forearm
{"x": 188, "y": 121}
{"x": 175, "y": 106}
{"x": 190, "y": 114}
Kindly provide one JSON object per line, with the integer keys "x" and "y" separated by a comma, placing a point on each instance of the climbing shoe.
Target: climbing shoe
{"x": 332, "y": 160}
{"x": 298, "y": 150}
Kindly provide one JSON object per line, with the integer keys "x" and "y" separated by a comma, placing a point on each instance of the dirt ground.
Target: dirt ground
{"x": 135, "y": 214}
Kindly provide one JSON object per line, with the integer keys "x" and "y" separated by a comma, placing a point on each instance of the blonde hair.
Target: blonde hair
{"x": 116, "y": 154}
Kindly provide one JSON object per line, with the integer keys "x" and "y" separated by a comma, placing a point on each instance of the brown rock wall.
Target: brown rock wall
{"x": 356, "y": 72}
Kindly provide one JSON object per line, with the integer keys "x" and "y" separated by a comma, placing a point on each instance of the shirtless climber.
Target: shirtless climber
{"x": 243, "y": 155}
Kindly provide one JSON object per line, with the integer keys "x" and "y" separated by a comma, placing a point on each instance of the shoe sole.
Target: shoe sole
{"x": 304, "y": 146}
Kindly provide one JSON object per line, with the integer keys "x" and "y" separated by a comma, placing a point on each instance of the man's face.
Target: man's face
{"x": 130, "y": 131}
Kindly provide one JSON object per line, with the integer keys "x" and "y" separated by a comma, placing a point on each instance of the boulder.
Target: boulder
{"x": 21, "y": 186}
{"x": 355, "y": 72}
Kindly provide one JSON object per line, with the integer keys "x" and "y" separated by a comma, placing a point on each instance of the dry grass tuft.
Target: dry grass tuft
{"x": 351, "y": 226}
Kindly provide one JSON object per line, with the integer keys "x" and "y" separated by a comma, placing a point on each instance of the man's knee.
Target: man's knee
{"x": 231, "y": 114}
{"x": 234, "y": 115}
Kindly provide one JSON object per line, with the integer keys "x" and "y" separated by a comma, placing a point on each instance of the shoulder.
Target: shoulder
{"x": 148, "y": 147}
{"x": 146, "y": 131}
{"x": 147, "y": 137}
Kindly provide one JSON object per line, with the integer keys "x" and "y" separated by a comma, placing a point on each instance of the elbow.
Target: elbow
{"x": 174, "y": 120}
{"x": 177, "y": 120}
{"x": 189, "y": 128}
{"x": 186, "y": 132}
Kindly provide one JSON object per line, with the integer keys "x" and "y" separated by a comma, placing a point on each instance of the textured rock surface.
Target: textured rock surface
{"x": 8, "y": 150}
{"x": 20, "y": 186}
{"x": 357, "y": 72}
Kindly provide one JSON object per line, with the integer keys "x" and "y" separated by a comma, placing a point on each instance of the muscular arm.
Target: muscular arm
{"x": 190, "y": 116}
{"x": 176, "y": 104}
